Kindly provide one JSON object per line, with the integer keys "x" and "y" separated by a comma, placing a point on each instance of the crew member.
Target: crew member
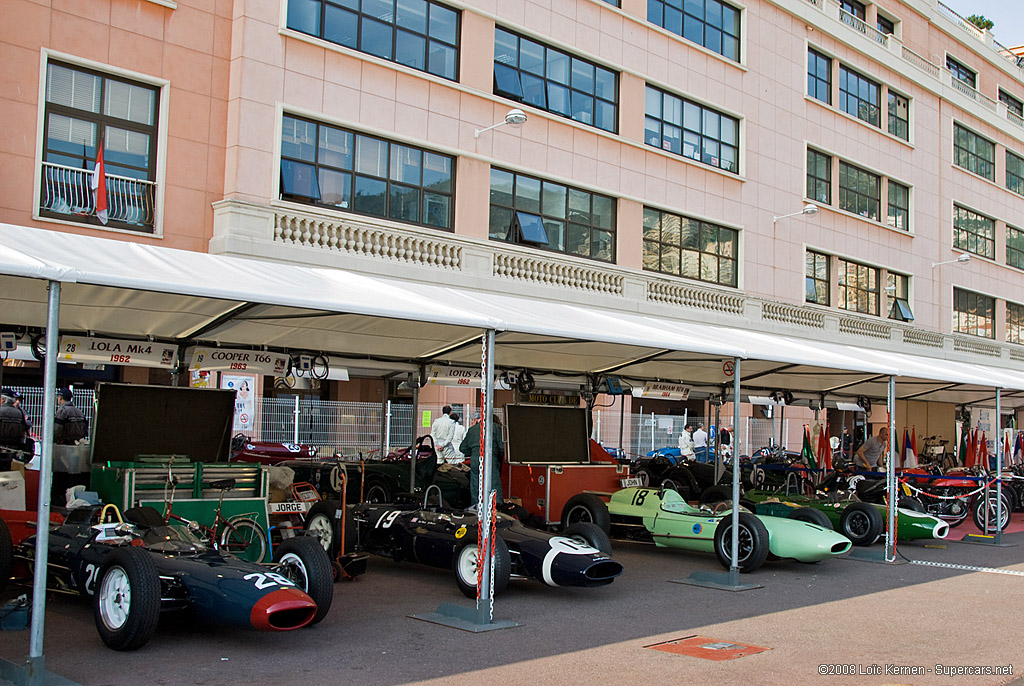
{"x": 441, "y": 431}
{"x": 471, "y": 446}
{"x": 69, "y": 424}
{"x": 870, "y": 456}
{"x": 13, "y": 428}
{"x": 700, "y": 443}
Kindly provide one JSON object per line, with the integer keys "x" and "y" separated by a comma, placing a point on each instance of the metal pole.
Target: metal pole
{"x": 35, "y": 653}
{"x": 999, "y": 470}
{"x": 652, "y": 433}
{"x": 295, "y": 423}
{"x": 734, "y": 567}
{"x": 485, "y": 514}
{"x": 890, "y": 476}
{"x": 386, "y": 443}
{"x": 719, "y": 463}
{"x": 412, "y": 449}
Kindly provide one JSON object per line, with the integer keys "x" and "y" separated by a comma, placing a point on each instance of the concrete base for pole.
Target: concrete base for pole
{"x": 876, "y": 555}
{"x": 471, "y": 619}
{"x": 994, "y": 540}
{"x": 31, "y": 673}
{"x": 719, "y": 581}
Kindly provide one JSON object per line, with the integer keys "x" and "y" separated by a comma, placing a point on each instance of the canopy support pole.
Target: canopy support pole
{"x": 890, "y": 476}
{"x": 729, "y": 581}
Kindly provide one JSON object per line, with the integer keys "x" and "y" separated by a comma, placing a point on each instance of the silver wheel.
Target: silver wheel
{"x": 295, "y": 570}
{"x": 466, "y": 565}
{"x": 320, "y": 526}
{"x": 115, "y": 598}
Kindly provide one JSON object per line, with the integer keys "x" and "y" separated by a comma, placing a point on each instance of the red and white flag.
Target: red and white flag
{"x": 99, "y": 186}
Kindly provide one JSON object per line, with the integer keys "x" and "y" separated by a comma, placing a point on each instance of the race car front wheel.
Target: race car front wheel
{"x": 861, "y": 523}
{"x": 811, "y": 516}
{"x": 586, "y": 507}
{"x": 304, "y": 562}
{"x": 467, "y": 560}
{"x": 127, "y": 602}
{"x": 753, "y": 542}
{"x": 590, "y": 534}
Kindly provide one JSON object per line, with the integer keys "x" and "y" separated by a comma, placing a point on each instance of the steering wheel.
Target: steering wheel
{"x": 721, "y": 506}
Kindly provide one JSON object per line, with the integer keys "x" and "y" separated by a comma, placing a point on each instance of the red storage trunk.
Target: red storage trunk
{"x": 545, "y": 488}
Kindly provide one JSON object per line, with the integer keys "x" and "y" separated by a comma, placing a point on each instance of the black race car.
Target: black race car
{"x": 446, "y": 537}
{"x": 137, "y": 568}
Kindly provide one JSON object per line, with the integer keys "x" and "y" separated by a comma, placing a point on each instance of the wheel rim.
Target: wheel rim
{"x": 579, "y": 513}
{"x": 990, "y": 510}
{"x": 320, "y": 526}
{"x": 467, "y": 564}
{"x": 746, "y": 547}
{"x": 858, "y": 524}
{"x": 295, "y": 570}
{"x": 115, "y": 598}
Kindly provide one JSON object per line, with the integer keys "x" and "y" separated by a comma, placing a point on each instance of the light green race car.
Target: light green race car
{"x": 663, "y": 515}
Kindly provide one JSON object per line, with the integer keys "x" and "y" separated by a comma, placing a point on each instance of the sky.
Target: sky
{"x": 1008, "y": 16}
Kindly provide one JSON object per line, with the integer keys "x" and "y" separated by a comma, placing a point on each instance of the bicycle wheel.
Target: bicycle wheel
{"x": 244, "y": 538}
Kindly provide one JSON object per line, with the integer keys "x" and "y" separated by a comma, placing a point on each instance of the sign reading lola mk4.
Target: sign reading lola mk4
{"x": 228, "y": 360}
{"x": 125, "y": 353}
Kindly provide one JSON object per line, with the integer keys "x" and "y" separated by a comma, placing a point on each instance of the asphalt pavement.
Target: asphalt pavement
{"x": 946, "y": 603}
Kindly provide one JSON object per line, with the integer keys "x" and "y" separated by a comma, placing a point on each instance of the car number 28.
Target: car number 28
{"x": 268, "y": 579}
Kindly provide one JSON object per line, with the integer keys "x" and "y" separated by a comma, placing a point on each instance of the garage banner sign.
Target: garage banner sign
{"x": 124, "y": 353}
{"x": 227, "y": 360}
{"x": 665, "y": 391}
{"x": 439, "y": 375}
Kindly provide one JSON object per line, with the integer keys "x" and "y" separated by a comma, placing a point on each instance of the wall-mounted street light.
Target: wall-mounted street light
{"x": 515, "y": 118}
{"x": 809, "y": 209}
{"x": 963, "y": 258}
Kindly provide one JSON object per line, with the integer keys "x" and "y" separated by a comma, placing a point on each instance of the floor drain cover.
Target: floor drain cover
{"x": 707, "y": 648}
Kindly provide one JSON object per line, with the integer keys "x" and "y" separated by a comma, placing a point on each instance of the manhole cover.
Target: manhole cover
{"x": 707, "y": 648}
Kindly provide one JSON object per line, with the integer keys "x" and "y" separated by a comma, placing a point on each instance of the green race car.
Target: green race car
{"x": 663, "y": 515}
{"x": 862, "y": 523}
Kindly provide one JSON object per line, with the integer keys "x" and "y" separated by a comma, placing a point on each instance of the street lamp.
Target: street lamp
{"x": 515, "y": 118}
{"x": 809, "y": 209}
{"x": 963, "y": 258}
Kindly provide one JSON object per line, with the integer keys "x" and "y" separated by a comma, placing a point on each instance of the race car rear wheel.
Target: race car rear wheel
{"x": 861, "y": 523}
{"x": 812, "y": 516}
{"x": 303, "y": 561}
{"x": 6, "y": 554}
{"x": 591, "y": 534}
{"x": 466, "y": 561}
{"x": 127, "y": 602}
{"x": 586, "y": 507}
{"x": 645, "y": 476}
{"x": 753, "y": 542}
{"x": 320, "y": 523}
{"x": 984, "y": 510}
{"x": 378, "y": 491}
{"x": 910, "y": 503}
{"x": 244, "y": 538}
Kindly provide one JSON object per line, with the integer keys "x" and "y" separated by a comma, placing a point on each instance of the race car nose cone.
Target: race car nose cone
{"x": 283, "y": 610}
{"x": 941, "y": 530}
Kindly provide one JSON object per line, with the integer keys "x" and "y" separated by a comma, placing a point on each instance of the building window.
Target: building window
{"x": 897, "y": 297}
{"x": 857, "y": 9}
{"x": 1013, "y": 104}
{"x": 691, "y": 130}
{"x": 974, "y": 153}
{"x": 973, "y": 313}
{"x": 974, "y": 232}
{"x": 1014, "y": 247}
{"x": 819, "y": 76}
{"x": 331, "y": 167}
{"x": 690, "y": 248}
{"x": 886, "y": 25}
{"x": 530, "y": 72}
{"x": 899, "y": 206}
{"x": 1014, "y": 323}
{"x": 860, "y": 191}
{"x": 819, "y": 177}
{"x": 858, "y": 287}
{"x": 84, "y": 110}
{"x": 899, "y": 116}
{"x": 420, "y": 34}
{"x": 817, "y": 278}
{"x": 1015, "y": 173}
{"x": 962, "y": 73}
{"x": 859, "y": 96}
{"x": 710, "y": 23}
{"x": 552, "y": 216}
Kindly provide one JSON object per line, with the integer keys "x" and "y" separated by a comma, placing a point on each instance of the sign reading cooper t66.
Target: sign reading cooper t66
{"x": 115, "y": 351}
{"x": 228, "y": 360}
{"x": 665, "y": 391}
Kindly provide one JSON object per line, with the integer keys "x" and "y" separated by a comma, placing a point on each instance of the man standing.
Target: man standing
{"x": 441, "y": 431}
{"x": 471, "y": 447}
{"x": 870, "y": 455}
{"x": 13, "y": 428}
{"x": 458, "y": 435}
{"x": 69, "y": 424}
{"x": 700, "y": 443}
{"x": 686, "y": 443}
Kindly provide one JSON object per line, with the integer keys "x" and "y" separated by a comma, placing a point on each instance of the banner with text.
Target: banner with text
{"x": 665, "y": 391}
{"x": 116, "y": 351}
{"x": 228, "y": 360}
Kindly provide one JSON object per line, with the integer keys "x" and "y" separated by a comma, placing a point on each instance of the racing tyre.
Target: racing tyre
{"x": 466, "y": 561}
{"x": 715, "y": 494}
{"x": 984, "y": 510}
{"x": 910, "y": 503}
{"x": 753, "y": 548}
{"x": 244, "y": 539}
{"x": 586, "y": 507}
{"x": 591, "y": 534}
{"x": 645, "y": 476}
{"x": 861, "y": 523}
{"x": 6, "y": 554}
{"x": 378, "y": 491}
{"x": 127, "y": 602}
{"x": 304, "y": 562}
{"x": 812, "y": 516}
{"x": 320, "y": 524}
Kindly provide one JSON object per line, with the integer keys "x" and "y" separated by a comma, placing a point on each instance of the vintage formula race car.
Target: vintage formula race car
{"x": 663, "y": 515}
{"x": 137, "y": 568}
{"x": 446, "y": 537}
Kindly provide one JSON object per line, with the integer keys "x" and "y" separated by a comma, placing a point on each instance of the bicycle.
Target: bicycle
{"x": 241, "y": 535}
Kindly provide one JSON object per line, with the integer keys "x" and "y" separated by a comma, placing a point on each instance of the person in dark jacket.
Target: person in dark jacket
{"x": 470, "y": 447}
{"x": 69, "y": 424}
{"x": 13, "y": 428}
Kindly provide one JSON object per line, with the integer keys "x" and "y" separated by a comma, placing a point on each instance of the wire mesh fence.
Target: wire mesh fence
{"x": 33, "y": 400}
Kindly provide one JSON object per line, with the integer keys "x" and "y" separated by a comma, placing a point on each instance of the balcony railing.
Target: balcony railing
{"x": 66, "y": 192}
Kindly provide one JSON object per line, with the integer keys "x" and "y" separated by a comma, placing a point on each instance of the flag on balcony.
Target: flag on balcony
{"x": 99, "y": 186}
